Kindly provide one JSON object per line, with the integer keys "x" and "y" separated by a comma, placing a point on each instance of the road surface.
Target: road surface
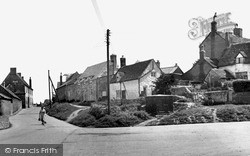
{"x": 232, "y": 139}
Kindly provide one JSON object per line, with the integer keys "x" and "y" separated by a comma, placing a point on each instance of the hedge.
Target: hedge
{"x": 241, "y": 86}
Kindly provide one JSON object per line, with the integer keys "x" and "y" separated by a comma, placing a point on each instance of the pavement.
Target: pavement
{"x": 230, "y": 139}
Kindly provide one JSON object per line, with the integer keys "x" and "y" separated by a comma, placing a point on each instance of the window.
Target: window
{"x": 241, "y": 75}
{"x": 120, "y": 94}
{"x": 240, "y": 59}
{"x": 153, "y": 74}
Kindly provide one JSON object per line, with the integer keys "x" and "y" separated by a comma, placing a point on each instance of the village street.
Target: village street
{"x": 200, "y": 139}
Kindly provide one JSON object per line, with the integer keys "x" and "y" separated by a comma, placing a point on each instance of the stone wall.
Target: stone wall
{"x": 4, "y": 122}
{"x": 219, "y": 97}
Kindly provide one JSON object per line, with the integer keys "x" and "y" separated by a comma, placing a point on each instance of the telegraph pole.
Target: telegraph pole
{"x": 49, "y": 89}
{"x": 108, "y": 89}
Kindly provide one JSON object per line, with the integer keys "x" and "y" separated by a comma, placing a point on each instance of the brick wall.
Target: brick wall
{"x": 4, "y": 122}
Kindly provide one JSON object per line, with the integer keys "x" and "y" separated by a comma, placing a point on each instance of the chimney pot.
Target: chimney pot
{"x": 238, "y": 32}
{"x": 202, "y": 52}
{"x": 123, "y": 61}
{"x": 60, "y": 78}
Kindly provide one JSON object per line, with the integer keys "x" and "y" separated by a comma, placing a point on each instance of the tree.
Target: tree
{"x": 164, "y": 83}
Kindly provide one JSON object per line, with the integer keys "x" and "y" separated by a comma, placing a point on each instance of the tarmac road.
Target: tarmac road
{"x": 229, "y": 139}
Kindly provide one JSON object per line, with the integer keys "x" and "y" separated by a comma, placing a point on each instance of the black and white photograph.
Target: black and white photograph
{"x": 124, "y": 78}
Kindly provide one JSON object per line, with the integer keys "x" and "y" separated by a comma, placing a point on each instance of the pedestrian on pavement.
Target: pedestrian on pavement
{"x": 41, "y": 115}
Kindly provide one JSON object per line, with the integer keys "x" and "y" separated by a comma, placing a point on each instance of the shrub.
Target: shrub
{"x": 106, "y": 121}
{"x": 126, "y": 119}
{"x": 241, "y": 85}
{"x": 83, "y": 120}
{"x": 142, "y": 115}
{"x": 130, "y": 107}
{"x": 97, "y": 112}
{"x": 151, "y": 108}
{"x": 60, "y": 110}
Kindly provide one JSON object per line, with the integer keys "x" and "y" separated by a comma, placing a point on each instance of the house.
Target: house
{"x": 134, "y": 81}
{"x": 228, "y": 51}
{"x": 9, "y": 102}
{"x": 217, "y": 77}
{"x": 172, "y": 70}
{"x": 93, "y": 81}
{"x": 68, "y": 90}
{"x": 16, "y": 84}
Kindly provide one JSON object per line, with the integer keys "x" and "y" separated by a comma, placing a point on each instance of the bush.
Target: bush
{"x": 106, "y": 121}
{"x": 60, "y": 110}
{"x": 142, "y": 115}
{"x": 130, "y": 107}
{"x": 83, "y": 120}
{"x": 232, "y": 113}
{"x": 97, "y": 112}
{"x": 241, "y": 86}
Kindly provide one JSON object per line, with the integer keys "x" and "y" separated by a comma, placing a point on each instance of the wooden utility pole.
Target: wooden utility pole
{"x": 108, "y": 89}
{"x": 49, "y": 89}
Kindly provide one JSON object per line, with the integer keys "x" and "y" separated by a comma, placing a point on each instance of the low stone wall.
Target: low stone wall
{"x": 219, "y": 97}
{"x": 161, "y": 104}
{"x": 241, "y": 98}
{"x": 4, "y": 122}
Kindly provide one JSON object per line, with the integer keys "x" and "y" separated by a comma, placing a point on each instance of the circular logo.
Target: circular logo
{"x": 7, "y": 150}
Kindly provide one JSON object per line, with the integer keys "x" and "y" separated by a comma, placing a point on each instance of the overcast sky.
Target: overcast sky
{"x": 67, "y": 36}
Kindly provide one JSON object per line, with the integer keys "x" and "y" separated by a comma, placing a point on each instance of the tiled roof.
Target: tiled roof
{"x": 2, "y": 96}
{"x": 169, "y": 70}
{"x": 231, "y": 53}
{"x": 211, "y": 62}
{"x": 4, "y": 90}
{"x": 131, "y": 72}
{"x": 234, "y": 38}
{"x": 71, "y": 79}
{"x": 97, "y": 70}
{"x": 222, "y": 73}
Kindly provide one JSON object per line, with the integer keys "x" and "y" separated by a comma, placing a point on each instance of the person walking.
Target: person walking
{"x": 41, "y": 115}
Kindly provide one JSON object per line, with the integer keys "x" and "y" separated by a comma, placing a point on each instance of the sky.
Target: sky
{"x": 67, "y": 36}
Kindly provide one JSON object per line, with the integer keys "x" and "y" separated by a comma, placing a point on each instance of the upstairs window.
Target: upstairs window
{"x": 240, "y": 58}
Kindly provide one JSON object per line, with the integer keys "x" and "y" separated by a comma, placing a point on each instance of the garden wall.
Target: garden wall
{"x": 219, "y": 97}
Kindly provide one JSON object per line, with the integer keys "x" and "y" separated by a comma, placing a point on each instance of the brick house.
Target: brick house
{"x": 16, "y": 84}
{"x": 134, "y": 81}
{"x": 9, "y": 102}
{"x": 227, "y": 51}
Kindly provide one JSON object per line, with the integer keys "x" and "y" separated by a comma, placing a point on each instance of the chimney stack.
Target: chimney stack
{"x": 214, "y": 24}
{"x": 19, "y": 74}
{"x": 176, "y": 65}
{"x": 12, "y": 70}
{"x": 237, "y": 31}
{"x": 158, "y": 63}
{"x": 122, "y": 61}
{"x": 202, "y": 52}
{"x": 60, "y": 79}
{"x": 227, "y": 38}
{"x": 30, "y": 82}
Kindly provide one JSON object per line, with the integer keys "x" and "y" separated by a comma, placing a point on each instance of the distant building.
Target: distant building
{"x": 16, "y": 83}
{"x": 9, "y": 102}
{"x": 172, "y": 70}
{"x": 227, "y": 51}
{"x": 134, "y": 81}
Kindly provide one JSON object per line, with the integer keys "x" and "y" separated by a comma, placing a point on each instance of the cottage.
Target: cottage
{"x": 134, "y": 81}
{"x": 93, "y": 81}
{"x": 16, "y": 84}
{"x": 9, "y": 102}
{"x": 227, "y": 51}
{"x": 68, "y": 90}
